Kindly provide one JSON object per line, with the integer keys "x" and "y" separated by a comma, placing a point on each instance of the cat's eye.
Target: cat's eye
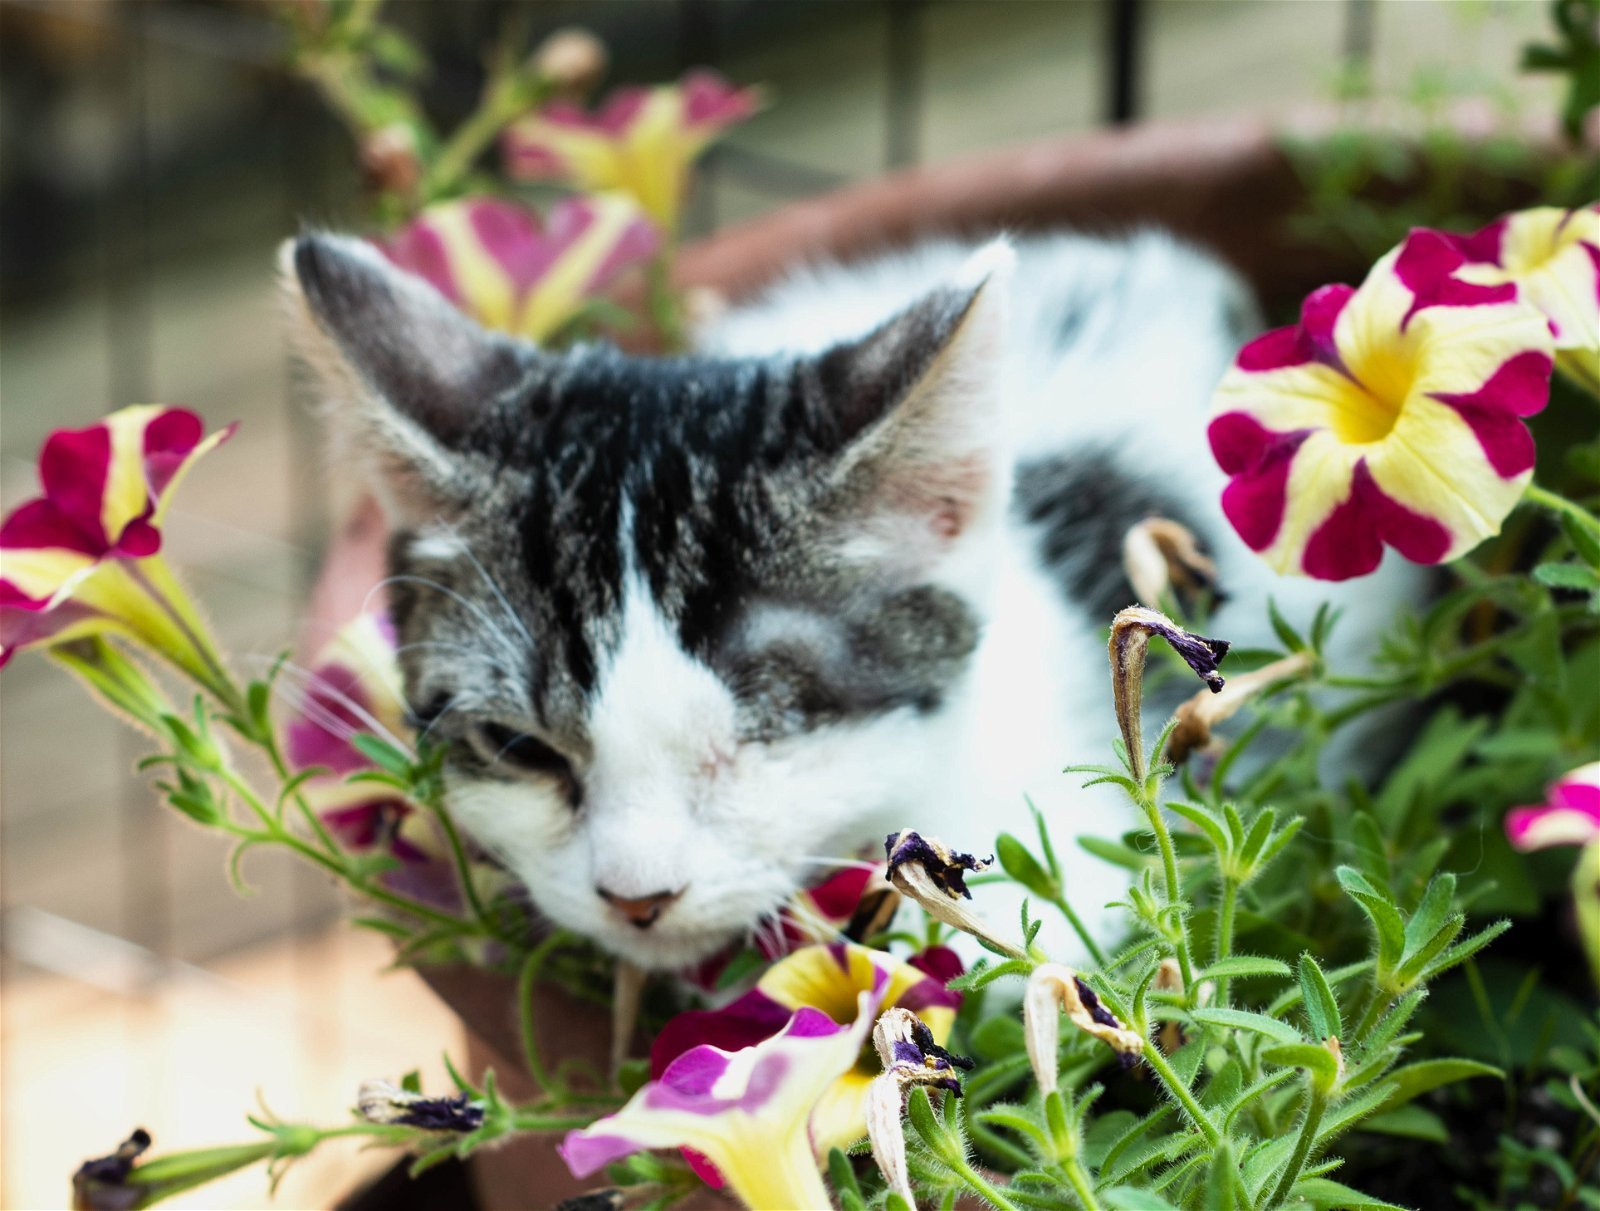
{"x": 500, "y": 744}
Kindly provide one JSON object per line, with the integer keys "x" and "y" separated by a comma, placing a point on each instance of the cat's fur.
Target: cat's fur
{"x": 845, "y": 572}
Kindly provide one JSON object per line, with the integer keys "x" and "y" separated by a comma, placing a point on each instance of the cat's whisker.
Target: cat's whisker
{"x": 494, "y": 588}
{"x": 492, "y": 626}
{"x": 310, "y": 684}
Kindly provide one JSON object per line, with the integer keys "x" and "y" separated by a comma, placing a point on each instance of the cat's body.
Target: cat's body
{"x": 695, "y": 627}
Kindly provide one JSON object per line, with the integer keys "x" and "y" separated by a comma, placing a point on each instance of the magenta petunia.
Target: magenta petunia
{"x": 1390, "y": 415}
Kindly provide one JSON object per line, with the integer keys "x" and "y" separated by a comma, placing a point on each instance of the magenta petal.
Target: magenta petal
{"x": 586, "y": 1154}
{"x": 1520, "y": 387}
{"x": 1482, "y": 246}
{"x": 169, "y": 439}
{"x": 74, "y": 466}
{"x": 1275, "y": 350}
{"x": 743, "y": 1023}
{"x": 1318, "y": 315}
{"x": 138, "y": 539}
{"x": 1350, "y": 541}
{"x": 419, "y": 249}
{"x": 1426, "y": 265}
{"x": 40, "y": 523}
{"x": 1259, "y": 460}
{"x": 510, "y": 236}
{"x": 940, "y": 962}
{"x": 836, "y": 897}
{"x": 1578, "y": 797}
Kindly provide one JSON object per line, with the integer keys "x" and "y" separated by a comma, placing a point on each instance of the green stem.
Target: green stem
{"x": 504, "y": 99}
{"x": 1381, "y": 999}
{"x": 1555, "y": 503}
{"x": 1079, "y": 1181}
{"x": 664, "y": 309}
{"x": 1181, "y": 1095}
{"x": 1303, "y": 1145}
{"x": 1169, "y": 863}
{"x": 530, "y": 1044}
{"x": 1230, "y": 895}
{"x": 1084, "y": 936}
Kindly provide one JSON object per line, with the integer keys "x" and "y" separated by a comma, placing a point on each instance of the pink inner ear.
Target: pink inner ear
{"x": 943, "y": 498}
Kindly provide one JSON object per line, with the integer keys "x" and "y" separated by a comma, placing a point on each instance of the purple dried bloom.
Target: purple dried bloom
{"x": 946, "y": 868}
{"x": 1130, "y": 639}
{"x": 384, "y": 1102}
{"x": 101, "y": 1184}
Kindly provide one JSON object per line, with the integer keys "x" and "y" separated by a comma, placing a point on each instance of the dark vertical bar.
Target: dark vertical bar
{"x": 1360, "y": 29}
{"x": 1123, "y": 54}
{"x": 700, "y": 46}
{"x": 905, "y": 83}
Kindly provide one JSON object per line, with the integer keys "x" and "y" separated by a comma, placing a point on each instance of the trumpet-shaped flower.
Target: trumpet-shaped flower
{"x": 1390, "y": 414}
{"x": 491, "y": 258}
{"x": 751, "y": 1112}
{"x": 1570, "y": 814}
{"x": 642, "y": 142}
{"x": 1553, "y": 257}
{"x": 83, "y": 558}
{"x": 832, "y": 978}
{"x": 1051, "y": 989}
{"x": 353, "y": 688}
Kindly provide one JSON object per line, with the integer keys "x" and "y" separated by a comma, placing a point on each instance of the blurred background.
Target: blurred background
{"x": 152, "y": 155}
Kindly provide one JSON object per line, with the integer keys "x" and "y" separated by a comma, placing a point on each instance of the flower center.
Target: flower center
{"x": 1365, "y": 407}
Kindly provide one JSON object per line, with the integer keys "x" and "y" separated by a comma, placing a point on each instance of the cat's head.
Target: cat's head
{"x": 688, "y": 627}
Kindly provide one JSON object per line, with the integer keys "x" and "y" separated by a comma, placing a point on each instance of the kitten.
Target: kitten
{"x": 691, "y": 627}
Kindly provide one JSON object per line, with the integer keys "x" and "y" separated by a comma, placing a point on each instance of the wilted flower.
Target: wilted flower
{"x": 1051, "y": 989}
{"x": 749, "y": 1112}
{"x": 934, "y": 876}
{"x": 1391, "y": 414}
{"x": 832, "y": 978}
{"x": 641, "y": 142}
{"x": 1159, "y": 554}
{"x": 1553, "y": 257}
{"x": 1570, "y": 815}
{"x": 101, "y": 1184}
{"x": 910, "y": 1058}
{"x": 380, "y": 1101}
{"x": 1130, "y": 641}
{"x": 83, "y": 558}
{"x": 491, "y": 259}
{"x": 1198, "y": 715}
{"x": 117, "y": 1183}
{"x": 390, "y": 161}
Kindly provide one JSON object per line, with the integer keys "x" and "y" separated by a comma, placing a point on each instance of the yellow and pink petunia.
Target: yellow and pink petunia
{"x": 752, "y": 1112}
{"x": 831, "y": 978}
{"x": 1553, "y": 256}
{"x": 641, "y": 142}
{"x": 84, "y": 558}
{"x": 1570, "y": 815}
{"x": 1391, "y": 414}
{"x": 493, "y": 260}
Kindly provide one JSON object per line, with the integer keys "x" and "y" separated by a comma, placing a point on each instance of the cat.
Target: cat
{"x": 693, "y": 629}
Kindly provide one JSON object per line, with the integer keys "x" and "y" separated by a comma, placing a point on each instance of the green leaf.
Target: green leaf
{"x": 1219, "y": 1189}
{"x": 1013, "y": 1119}
{"x": 1322, "y": 1193}
{"x": 1380, "y": 910}
{"x": 1206, "y": 822}
{"x": 743, "y": 964}
{"x": 1023, "y": 867}
{"x": 1322, "y": 1007}
{"x": 1431, "y": 912}
{"x": 1567, "y": 576}
{"x": 382, "y": 754}
{"x": 1244, "y": 966}
{"x": 1413, "y": 1080}
{"x": 1409, "y": 1122}
{"x": 841, "y": 1175}
{"x": 1117, "y": 855}
{"x": 1585, "y": 543}
{"x": 996, "y": 1037}
{"x": 1287, "y": 635}
{"x": 1316, "y": 1060}
{"x": 1463, "y": 951}
{"x": 1131, "y": 1198}
{"x": 1243, "y": 1019}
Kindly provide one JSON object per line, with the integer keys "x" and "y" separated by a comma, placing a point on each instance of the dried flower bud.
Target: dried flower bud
{"x": 1159, "y": 554}
{"x": 910, "y": 1058}
{"x": 934, "y": 876}
{"x": 610, "y": 1199}
{"x": 380, "y": 1101}
{"x": 1052, "y": 988}
{"x": 389, "y": 160}
{"x": 571, "y": 60}
{"x": 1332, "y": 1044}
{"x": 102, "y": 1184}
{"x": 886, "y": 1133}
{"x": 1199, "y": 714}
{"x": 1130, "y": 639}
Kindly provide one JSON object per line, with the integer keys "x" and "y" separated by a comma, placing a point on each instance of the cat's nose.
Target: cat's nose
{"x": 642, "y": 911}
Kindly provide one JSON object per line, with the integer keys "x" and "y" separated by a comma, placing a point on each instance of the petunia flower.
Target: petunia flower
{"x": 84, "y": 557}
{"x": 1131, "y": 630}
{"x": 641, "y": 142}
{"x": 493, "y": 260}
{"x": 751, "y": 1112}
{"x": 1390, "y": 414}
{"x": 933, "y": 876}
{"x": 1553, "y": 257}
{"x": 1570, "y": 815}
{"x": 831, "y": 978}
{"x": 1053, "y": 988}
{"x": 353, "y": 688}
{"x": 910, "y": 1058}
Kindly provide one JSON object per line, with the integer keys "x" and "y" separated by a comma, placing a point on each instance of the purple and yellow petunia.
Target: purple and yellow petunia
{"x": 831, "y": 978}
{"x": 1391, "y": 414}
{"x": 752, "y": 1112}
{"x": 493, "y": 259}
{"x": 84, "y": 557}
{"x": 1553, "y": 257}
{"x": 641, "y": 142}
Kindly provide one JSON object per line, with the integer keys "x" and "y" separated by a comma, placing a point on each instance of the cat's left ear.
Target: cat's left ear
{"x": 926, "y": 460}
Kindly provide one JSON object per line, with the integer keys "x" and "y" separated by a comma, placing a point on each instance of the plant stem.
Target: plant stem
{"x": 1230, "y": 894}
{"x": 1302, "y": 1147}
{"x": 663, "y": 303}
{"x": 504, "y": 98}
{"x": 1169, "y": 862}
{"x": 1555, "y": 503}
{"x": 1181, "y": 1095}
{"x": 1079, "y": 1181}
{"x": 1084, "y": 936}
{"x": 530, "y": 1044}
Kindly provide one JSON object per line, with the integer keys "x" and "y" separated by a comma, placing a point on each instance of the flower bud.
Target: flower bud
{"x": 571, "y": 60}
{"x": 1199, "y": 714}
{"x": 1130, "y": 640}
{"x": 389, "y": 161}
{"x": 380, "y": 1101}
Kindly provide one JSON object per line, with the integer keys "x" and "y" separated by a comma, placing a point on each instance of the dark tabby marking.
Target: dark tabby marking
{"x": 1082, "y": 505}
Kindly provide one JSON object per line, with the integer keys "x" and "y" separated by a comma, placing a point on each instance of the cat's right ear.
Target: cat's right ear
{"x": 400, "y": 372}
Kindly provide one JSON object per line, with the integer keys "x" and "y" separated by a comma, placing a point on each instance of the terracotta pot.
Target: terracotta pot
{"x": 1224, "y": 184}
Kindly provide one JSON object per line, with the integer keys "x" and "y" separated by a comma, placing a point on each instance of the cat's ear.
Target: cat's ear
{"x": 401, "y": 373}
{"x": 926, "y": 459}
